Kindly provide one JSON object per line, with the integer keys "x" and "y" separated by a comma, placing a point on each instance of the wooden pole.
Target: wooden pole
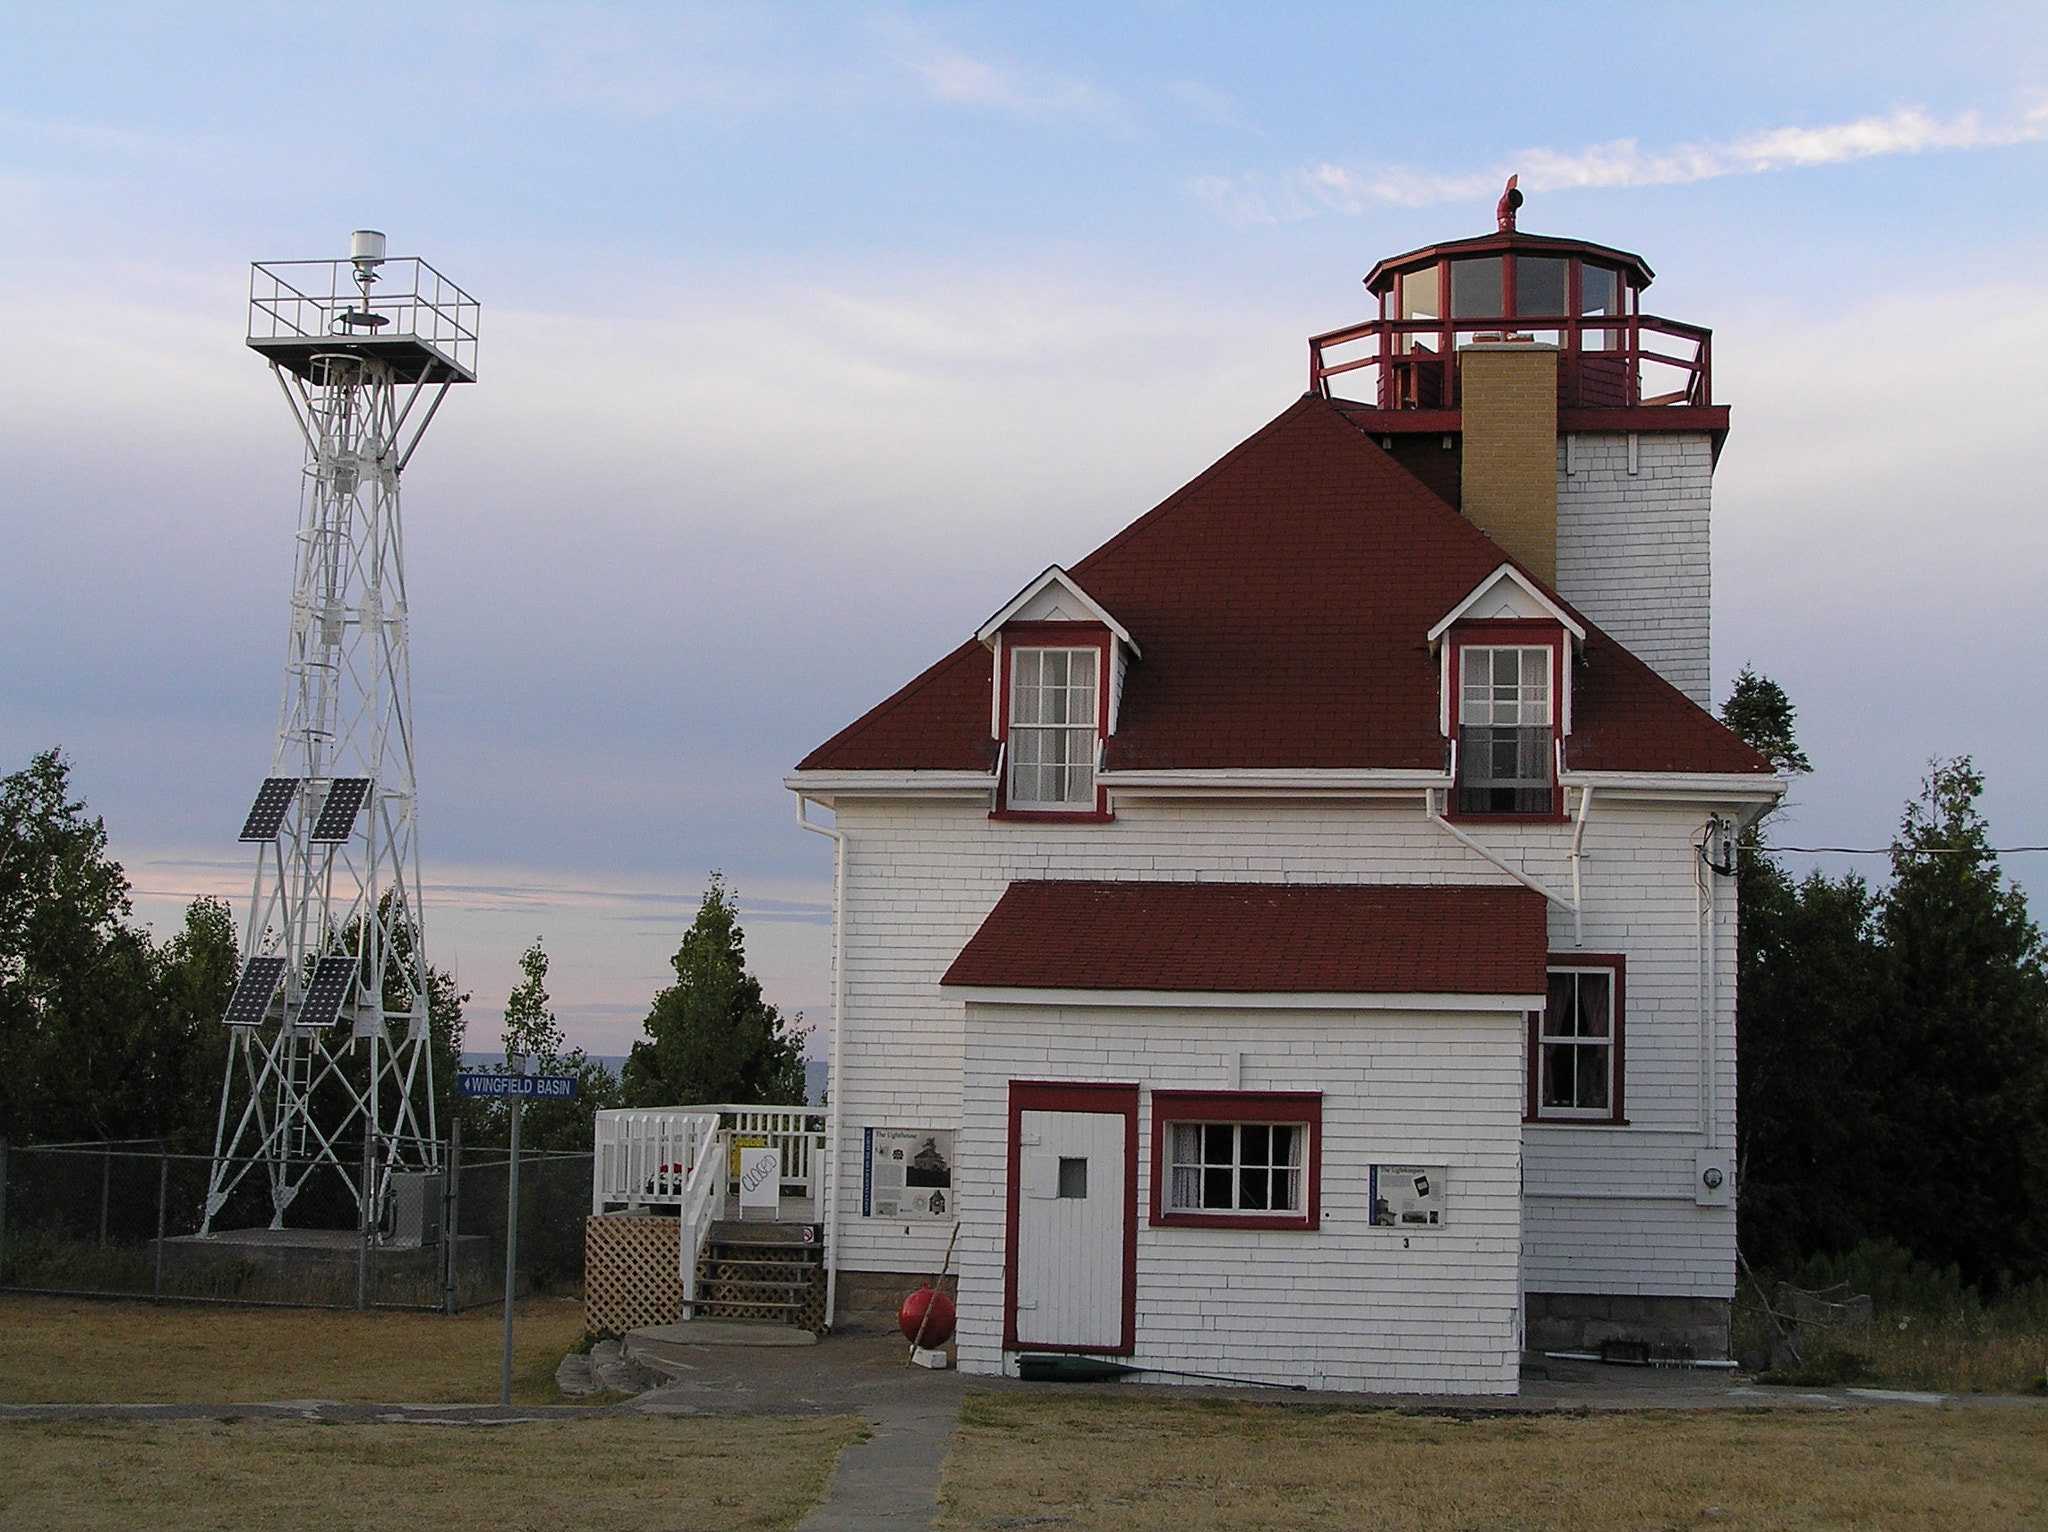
{"x": 926, "y": 1317}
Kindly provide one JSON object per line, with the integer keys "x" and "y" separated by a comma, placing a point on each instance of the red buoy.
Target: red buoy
{"x": 938, "y": 1329}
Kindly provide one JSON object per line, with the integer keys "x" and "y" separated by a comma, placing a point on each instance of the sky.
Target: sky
{"x": 811, "y": 332}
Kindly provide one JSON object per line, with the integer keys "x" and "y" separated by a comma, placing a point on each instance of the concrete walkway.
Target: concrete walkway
{"x": 890, "y": 1482}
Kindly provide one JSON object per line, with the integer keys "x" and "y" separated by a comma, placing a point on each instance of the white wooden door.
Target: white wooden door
{"x": 1070, "y": 1229}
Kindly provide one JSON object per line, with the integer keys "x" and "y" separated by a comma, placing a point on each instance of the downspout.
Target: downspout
{"x": 834, "y": 1081}
{"x": 1702, "y": 893}
{"x": 1578, "y": 890}
{"x": 1720, "y": 839}
{"x": 1429, "y": 810}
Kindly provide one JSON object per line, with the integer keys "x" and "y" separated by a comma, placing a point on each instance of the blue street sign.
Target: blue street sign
{"x": 525, "y": 1087}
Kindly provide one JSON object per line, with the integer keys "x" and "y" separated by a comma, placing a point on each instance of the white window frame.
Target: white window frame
{"x": 1532, "y": 707}
{"x": 1294, "y": 1169}
{"x": 1077, "y": 745}
{"x": 1543, "y": 1039}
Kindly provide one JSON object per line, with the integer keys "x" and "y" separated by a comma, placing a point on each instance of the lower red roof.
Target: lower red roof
{"x": 1260, "y": 938}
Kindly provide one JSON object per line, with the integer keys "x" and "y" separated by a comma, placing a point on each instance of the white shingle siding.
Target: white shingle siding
{"x": 1634, "y": 550}
{"x": 921, "y": 877}
{"x": 1346, "y": 1306}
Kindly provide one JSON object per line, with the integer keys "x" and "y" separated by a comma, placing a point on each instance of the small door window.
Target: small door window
{"x": 1073, "y": 1177}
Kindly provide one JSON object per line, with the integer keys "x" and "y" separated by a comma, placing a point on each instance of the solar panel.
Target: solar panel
{"x": 253, "y": 991}
{"x": 266, "y": 815}
{"x": 333, "y": 977}
{"x": 337, "y": 819}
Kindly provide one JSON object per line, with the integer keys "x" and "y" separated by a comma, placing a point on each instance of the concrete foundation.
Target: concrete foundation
{"x": 319, "y": 1266}
{"x": 1581, "y": 1321}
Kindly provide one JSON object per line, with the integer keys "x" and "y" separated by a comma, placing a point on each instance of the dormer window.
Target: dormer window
{"x": 1053, "y": 735}
{"x": 1504, "y": 728}
{"x": 1060, "y": 660}
{"x": 1507, "y": 699}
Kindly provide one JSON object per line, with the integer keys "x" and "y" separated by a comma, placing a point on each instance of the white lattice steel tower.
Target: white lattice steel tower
{"x": 331, "y": 1042}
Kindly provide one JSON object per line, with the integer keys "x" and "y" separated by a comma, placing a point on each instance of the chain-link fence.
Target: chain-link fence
{"x": 124, "y": 1219}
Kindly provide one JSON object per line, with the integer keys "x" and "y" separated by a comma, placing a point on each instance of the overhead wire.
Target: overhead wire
{"x": 1909, "y": 850}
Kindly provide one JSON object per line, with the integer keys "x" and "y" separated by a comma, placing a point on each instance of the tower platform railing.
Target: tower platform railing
{"x": 1605, "y": 361}
{"x": 414, "y": 318}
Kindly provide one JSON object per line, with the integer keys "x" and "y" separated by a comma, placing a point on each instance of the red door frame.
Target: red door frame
{"x": 1072, "y": 1096}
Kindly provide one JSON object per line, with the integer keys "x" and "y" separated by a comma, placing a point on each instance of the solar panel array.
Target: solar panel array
{"x": 266, "y": 815}
{"x": 251, "y": 999}
{"x": 333, "y": 977}
{"x": 337, "y": 819}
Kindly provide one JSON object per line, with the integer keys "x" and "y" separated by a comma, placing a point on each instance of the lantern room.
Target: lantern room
{"x": 1583, "y": 299}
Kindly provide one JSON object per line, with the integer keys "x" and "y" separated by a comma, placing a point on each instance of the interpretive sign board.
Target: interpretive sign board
{"x": 907, "y": 1173}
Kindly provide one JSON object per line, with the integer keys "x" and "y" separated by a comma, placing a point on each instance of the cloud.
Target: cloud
{"x": 1329, "y": 188}
{"x": 958, "y": 78}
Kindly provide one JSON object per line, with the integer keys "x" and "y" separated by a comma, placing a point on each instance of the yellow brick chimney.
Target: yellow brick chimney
{"x": 1509, "y": 396}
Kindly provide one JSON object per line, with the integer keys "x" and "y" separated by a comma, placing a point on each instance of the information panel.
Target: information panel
{"x": 907, "y": 1173}
{"x": 1408, "y": 1196}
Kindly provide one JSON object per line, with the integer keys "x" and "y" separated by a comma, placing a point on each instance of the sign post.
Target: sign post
{"x": 515, "y": 1087}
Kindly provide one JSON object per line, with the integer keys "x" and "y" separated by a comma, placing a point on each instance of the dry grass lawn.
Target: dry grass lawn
{"x": 618, "y": 1475}
{"x": 77, "y": 1351}
{"x": 1189, "y": 1465}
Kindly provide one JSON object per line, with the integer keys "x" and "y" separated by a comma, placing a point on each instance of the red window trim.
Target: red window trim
{"x": 1051, "y": 635}
{"x": 1072, "y": 1096}
{"x": 1289, "y": 1106}
{"x": 1510, "y": 633}
{"x": 1532, "y": 1110}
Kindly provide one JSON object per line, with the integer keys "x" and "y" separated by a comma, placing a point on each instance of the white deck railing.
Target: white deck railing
{"x": 644, "y": 1158}
{"x": 682, "y": 1157}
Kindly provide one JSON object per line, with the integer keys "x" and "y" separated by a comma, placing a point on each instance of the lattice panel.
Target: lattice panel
{"x": 631, "y": 1272}
{"x": 812, "y": 1315}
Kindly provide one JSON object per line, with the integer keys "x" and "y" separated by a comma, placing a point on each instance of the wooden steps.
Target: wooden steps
{"x": 763, "y": 1271}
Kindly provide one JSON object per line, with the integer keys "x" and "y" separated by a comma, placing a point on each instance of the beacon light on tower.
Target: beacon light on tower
{"x": 330, "y": 1019}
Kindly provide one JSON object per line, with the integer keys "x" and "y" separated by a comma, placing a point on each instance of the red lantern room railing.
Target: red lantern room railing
{"x": 1584, "y": 299}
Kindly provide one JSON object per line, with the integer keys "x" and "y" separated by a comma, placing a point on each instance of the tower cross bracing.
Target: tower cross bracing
{"x": 331, "y": 1061}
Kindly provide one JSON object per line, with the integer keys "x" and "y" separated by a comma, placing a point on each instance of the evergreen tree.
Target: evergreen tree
{"x": 1965, "y": 1036}
{"x": 710, "y": 1035}
{"x": 1806, "y": 984}
{"x": 1809, "y": 1086}
{"x": 1758, "y": 710}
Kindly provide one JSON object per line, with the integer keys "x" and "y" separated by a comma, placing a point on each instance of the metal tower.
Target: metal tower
{"x": 331, "y": 1063}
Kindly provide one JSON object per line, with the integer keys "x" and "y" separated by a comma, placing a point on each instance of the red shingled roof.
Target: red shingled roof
{"x": 1260, "y": 938}
{"x": 1282, "y": 599}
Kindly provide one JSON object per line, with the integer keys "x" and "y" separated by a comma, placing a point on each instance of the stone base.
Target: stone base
{"x": 1581, "y": 1321}
{"x": 868, "y": 1300}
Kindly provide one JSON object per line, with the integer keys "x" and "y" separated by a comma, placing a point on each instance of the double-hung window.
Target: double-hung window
{"x": 1575, "y": 1064}
{"x": 1053, "y": 729}
{"x": 1243, "y": 1158}
{"x": 1504, "y": 729}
